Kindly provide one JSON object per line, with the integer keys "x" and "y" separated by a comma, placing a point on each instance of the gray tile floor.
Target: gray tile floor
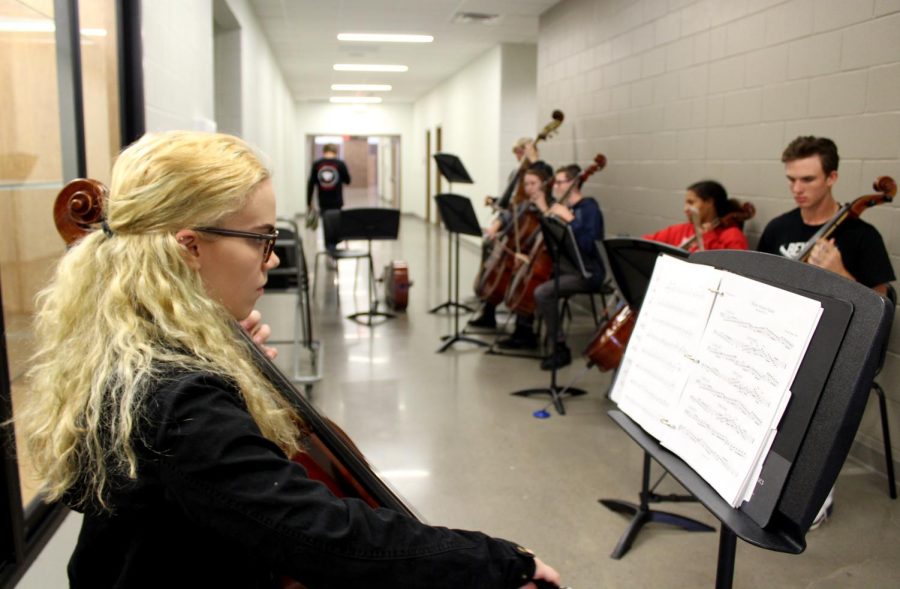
{"x": 444, "y": 430}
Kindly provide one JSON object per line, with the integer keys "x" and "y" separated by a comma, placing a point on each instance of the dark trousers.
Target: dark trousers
{"x": 546, "y": 302}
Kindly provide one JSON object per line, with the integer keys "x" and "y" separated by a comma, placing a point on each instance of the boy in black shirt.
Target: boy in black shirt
{"x": 328, "y": 174}
{"x": 856, "y": 250}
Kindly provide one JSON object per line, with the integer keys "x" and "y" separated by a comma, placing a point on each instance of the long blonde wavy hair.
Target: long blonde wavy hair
{"x": 121, "y": 310}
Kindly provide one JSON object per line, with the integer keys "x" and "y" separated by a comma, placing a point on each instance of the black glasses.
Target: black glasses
{"x": 267, "y": 238}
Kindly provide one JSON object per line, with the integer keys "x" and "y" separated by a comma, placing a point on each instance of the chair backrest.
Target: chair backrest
{"x": 369, "y": 223}
{"x": 289, "y": 250}
{"x": 892, "y": 297}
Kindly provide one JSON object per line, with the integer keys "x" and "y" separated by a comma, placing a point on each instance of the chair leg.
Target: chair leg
{"x": 594, "y": 309}
{"x": 886, "y": 435}
{"x": 316, "y": 274}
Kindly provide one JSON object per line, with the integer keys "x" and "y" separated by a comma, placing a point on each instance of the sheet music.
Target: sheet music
{"x": 734, "y": 398}
{"x": 669, "y": 327}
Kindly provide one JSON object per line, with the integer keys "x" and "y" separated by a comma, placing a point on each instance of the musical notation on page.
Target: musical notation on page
{"x": 718, "y": 413}
{"x": 657, "y": 361}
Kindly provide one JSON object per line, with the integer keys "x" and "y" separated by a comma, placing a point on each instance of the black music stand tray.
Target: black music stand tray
{"x": 458, "y": 217}
{"x": 829, "y": 395}
{"x": 631, "y": 262}
{"x": 369, "y": 224}
{"x": 453, "y": 170}
{"x": 559, "y": 241}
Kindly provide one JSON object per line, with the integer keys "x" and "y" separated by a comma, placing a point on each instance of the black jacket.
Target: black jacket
{"x": 218, "y": 505}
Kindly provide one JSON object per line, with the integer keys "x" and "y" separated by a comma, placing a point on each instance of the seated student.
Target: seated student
{"x": 709, "y": 201}
{"x": 148, "y": 415}
{"x": 587, "y": 224}
{"x": 584, "y": 216}
{"x": 488, "y": 316}
{"x": 855, "y": 250}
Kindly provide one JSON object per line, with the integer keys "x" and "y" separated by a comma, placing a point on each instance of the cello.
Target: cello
{"x": 396, "y": 285}
{"x": 539, "y": 267}
{"x": 496, "y": 272}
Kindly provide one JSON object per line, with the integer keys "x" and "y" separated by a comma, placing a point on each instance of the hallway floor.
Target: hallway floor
{"x": 444, "y": 430}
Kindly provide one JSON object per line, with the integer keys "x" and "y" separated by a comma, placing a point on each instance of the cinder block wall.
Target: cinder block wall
{"x": 675, "y": 91}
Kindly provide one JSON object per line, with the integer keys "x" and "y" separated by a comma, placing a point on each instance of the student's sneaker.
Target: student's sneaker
{"x": 563, "y": 357}
{"x": 521, "y": 339}
{"x": 485, "y": 321}
{"x": 824, "y": 513}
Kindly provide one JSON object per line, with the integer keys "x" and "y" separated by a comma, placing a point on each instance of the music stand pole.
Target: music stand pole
{"x": 458, "y": 217}
{"x": 457, "y": 336}
{"x": 453, "y": 170}
{"x": 452, "y": 302}
{"x": 555, "y": 246}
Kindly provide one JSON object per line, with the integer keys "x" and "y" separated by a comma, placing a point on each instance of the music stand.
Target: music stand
{"x": 631, "y": 262}
{"x": 369, "y": 224}
{"x": 560, "y": 242}
{"x": 840, "y": 364}
{"x": 453, "y": 170}
{"x": 458, "y": 217}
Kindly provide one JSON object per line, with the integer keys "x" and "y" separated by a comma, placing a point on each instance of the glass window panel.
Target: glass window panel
{"x": 30, "y": 177}
{"x": 99, "y": 72}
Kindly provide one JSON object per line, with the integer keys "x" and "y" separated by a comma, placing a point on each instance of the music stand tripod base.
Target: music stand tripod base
{"x": 452, "y": 304}
{"x": 459, "y": 218}
{"x": 556, "y": 394}
{"x": 558, "y": 238}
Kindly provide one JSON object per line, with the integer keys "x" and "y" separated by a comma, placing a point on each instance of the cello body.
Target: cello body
{"x": 396, "y": 285}
{"x": 500, "y": 267}
{"x": 607, "y": 347}
{"x": 519, "y": 296}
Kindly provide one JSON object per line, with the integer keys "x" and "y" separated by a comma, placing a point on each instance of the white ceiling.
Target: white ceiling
{"x": 303, "y": 37}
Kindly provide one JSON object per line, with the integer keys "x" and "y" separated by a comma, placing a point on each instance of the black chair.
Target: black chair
{"x": 882, "y": 404}
{"x": 332, "y": 231}
{"x": 292, "y": 277}
{"x": 606, "y": 290}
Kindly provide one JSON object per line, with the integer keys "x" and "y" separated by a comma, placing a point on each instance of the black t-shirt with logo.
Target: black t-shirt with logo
{"x": 862, "y": 249}
{"x": 328, "y": 175}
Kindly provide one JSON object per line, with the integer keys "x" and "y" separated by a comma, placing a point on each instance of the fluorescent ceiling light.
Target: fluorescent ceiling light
{"x": 361, "y": 87}
{"x": 368, "y": 67}
{"x": 385, "y": 38}
{"x": 355, "y": 99}
{"x": 40, "y": 26}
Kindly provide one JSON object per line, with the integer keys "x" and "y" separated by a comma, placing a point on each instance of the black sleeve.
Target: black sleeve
{"x": 871, "y": 264}
{"x": 311, "y": 185}
{"x": 220, "y": 471}
{"x": 765, "y": 241}
{"x": 345, "y": 173}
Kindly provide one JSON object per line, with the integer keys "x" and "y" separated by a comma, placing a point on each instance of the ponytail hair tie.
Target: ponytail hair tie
{"x": 106, "y": 230}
